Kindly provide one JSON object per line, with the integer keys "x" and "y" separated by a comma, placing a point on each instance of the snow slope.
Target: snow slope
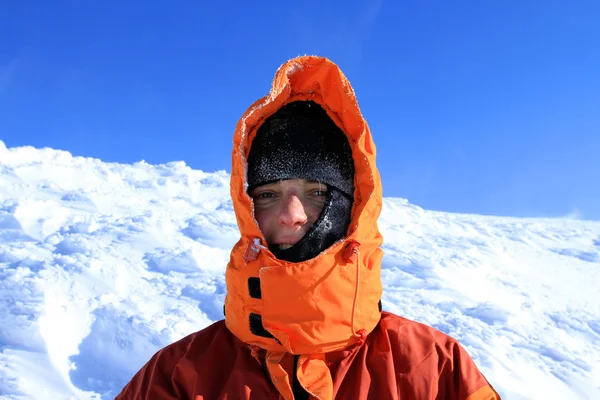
{"x": 102, "y": 264}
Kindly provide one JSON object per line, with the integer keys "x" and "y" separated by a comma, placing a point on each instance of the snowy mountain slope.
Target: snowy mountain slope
{"x": 102, "y": 264}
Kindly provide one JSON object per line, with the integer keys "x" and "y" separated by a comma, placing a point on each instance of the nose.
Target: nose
{"x": 292, "y": 214}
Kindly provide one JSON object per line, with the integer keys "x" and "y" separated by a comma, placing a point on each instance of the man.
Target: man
{"x": 303, "y": 314}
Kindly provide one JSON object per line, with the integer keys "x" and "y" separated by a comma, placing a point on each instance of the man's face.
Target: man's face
{"x": 285, "y": 210}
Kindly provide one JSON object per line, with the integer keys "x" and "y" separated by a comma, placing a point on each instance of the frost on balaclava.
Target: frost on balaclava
{"x": 300, "y": 141}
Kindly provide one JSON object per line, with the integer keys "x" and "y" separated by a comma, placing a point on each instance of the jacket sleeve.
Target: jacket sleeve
{"x": 462, "y": 377}
{"x": 484, "y": 393}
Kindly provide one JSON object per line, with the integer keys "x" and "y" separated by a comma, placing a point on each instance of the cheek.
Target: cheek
{"x": 314, "y": 212}
{"x": 262, "y": 218}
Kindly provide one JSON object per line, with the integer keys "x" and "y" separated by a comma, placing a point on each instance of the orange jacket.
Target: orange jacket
{"x": 324, "y": 310}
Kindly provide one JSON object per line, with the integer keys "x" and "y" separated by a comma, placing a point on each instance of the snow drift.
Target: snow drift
{"x": 102, "y": 264}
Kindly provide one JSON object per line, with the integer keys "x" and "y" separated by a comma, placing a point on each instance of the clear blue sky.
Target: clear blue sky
{"x": 489, "y": 107}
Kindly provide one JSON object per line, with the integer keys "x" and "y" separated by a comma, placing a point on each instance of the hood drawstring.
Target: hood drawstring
{"x": 352, "y": 254}
{"x": 252, "y": 250}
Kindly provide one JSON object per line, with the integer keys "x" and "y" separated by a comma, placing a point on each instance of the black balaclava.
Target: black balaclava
{"x": 300, "y": 141}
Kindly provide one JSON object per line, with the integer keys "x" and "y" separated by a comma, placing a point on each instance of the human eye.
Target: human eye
{"x": 318, "y": 191}
{"x": 264, "y": 197}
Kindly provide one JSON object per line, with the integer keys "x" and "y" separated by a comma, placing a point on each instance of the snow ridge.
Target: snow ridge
{"x": 102, "y": 264}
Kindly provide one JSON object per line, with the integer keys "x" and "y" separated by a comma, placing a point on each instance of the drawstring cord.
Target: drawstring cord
{"x": 258, "y": 244}
{"x": 356, "y": 291}
{"x": 352, "y": 253}
{"x": 252, "y": 250}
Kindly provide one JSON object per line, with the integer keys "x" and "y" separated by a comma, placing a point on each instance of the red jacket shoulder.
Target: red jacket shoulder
{"x": 423, "y": 355}
{"x": 159, "y": 373}
{"x": 420, "y": 338}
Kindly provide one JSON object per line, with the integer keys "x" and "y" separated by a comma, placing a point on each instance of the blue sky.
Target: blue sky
{"x": 489, "y": 107}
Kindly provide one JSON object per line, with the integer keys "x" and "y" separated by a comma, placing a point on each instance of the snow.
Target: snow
{"x": 102, "y": 264}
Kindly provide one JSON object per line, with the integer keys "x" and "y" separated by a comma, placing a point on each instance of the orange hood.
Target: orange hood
{"x": 331, "y": 301}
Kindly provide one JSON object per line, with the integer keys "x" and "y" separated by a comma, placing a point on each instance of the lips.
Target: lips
{"x": 285, "y": 244}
